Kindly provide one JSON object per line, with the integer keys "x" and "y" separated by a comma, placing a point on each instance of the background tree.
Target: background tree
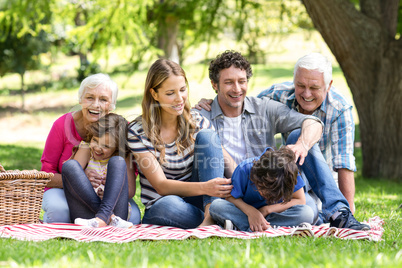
{"x": 181, "y": 25}
{"x": 143, "y": 29}
{"x": 23, "y": 39}
{"x": 261, "y": 24}
{"x": 94, "y": 27}
{"x": 365, "y": 39}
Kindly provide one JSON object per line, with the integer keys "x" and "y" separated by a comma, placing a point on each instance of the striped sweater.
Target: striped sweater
{"x": 176, "y": 166}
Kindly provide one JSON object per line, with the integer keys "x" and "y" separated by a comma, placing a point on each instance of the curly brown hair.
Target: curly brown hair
{"x": 275, "y": 175}
{"x": 226, "y": 60}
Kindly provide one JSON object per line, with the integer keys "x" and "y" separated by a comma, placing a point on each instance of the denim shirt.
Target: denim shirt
{"x": 261, "y": 120}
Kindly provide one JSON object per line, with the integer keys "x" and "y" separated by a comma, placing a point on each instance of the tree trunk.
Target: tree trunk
{"x": 22, "y": 92}
{"x": 167, "y": 37}
{"x": 365, "y": 47}
{"x": 80, "y": 20}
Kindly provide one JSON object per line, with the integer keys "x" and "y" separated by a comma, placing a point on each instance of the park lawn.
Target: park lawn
{"x": 374, "y": 197}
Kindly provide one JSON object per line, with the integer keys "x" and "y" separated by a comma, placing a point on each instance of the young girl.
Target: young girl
{"x": 178, "y": 153}
{"x": 103, "y": 152}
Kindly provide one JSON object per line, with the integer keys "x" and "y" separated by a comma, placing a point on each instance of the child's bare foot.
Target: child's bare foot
{"x": 207, "y": 218}
{"x": 207, "y": 221}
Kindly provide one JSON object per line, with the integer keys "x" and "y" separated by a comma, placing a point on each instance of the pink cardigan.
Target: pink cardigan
{"x": 62, "y": 137}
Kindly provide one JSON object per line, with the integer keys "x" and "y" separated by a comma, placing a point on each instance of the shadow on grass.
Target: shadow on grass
{"x": 51, "y": 85}
{"x": 273, "y": 72}
{"x": 20, "y": 157}
{"x": 282, "y": 72}
{"x": 130, "y": 101}
{"x": 13, "y": 109}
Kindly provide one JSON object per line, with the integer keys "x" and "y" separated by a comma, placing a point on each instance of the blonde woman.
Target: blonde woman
{"x": 178, "y": 154}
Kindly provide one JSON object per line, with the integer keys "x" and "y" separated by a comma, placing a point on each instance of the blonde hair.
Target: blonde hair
{"x": 151, "y": 118}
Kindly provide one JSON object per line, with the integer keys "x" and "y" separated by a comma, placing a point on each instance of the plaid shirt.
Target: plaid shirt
{"x": 337, "y": 142}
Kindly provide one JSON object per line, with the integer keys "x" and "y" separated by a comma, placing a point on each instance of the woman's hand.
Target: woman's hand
{"x": 219, "y": 187}
{"x": 94, "y": 178}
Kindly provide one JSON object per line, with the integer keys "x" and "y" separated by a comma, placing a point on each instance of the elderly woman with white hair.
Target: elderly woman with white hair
{"x": 97, "y": 97}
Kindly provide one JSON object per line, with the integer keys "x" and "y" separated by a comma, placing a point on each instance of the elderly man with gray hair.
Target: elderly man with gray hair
{"x": 312, "y": 93}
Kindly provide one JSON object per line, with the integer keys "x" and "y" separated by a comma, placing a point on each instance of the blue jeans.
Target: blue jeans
{"x": 55, "y": 206}
{"x": 316, "y": 172}
{"x": 85, "y": 203}
{"x": 222, "y": 210}
{"x": 186, "y": 213}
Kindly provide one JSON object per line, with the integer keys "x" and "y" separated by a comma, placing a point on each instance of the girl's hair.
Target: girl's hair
{"x": 318, "y": 62}
{"x": 275, "y": 175}
{"x": 151, "y": 118}
{"x": 116, "y": 126}
{"x": 96, "y": 80}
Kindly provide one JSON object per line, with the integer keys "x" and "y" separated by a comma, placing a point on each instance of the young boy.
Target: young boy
{"x": 267, "y": 191}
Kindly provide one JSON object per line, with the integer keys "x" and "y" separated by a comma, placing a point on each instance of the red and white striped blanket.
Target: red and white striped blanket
{"x": 41, "y": 232}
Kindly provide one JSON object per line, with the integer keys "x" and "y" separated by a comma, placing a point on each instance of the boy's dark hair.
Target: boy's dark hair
{"x": 116, "y": 126}
{"x": 226, "y": 60}
{"x": 275, "y": 175}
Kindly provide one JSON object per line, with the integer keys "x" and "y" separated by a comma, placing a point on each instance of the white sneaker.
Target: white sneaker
{"x": 229, "y": 225}
{"x": 118, "y": 222}
{"x": 89, "y": 223}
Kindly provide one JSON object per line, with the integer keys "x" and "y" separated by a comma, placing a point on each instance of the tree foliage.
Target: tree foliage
{"x": 23, "y": 26}
{"x": 146, "y": 28}
{"x": 253, "y": 22}
{"x": 23, "y": 38}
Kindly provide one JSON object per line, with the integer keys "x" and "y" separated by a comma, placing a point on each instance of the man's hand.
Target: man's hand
{"x": 311, "y": 132}
{"x": 204, "y": 104}
{"x": 300, "y": 152}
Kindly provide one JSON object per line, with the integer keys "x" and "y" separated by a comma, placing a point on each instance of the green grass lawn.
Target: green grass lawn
{"x": 374, "y": 197}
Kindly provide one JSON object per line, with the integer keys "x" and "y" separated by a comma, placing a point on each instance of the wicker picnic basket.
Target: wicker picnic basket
{"x": 21, "y": 194}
